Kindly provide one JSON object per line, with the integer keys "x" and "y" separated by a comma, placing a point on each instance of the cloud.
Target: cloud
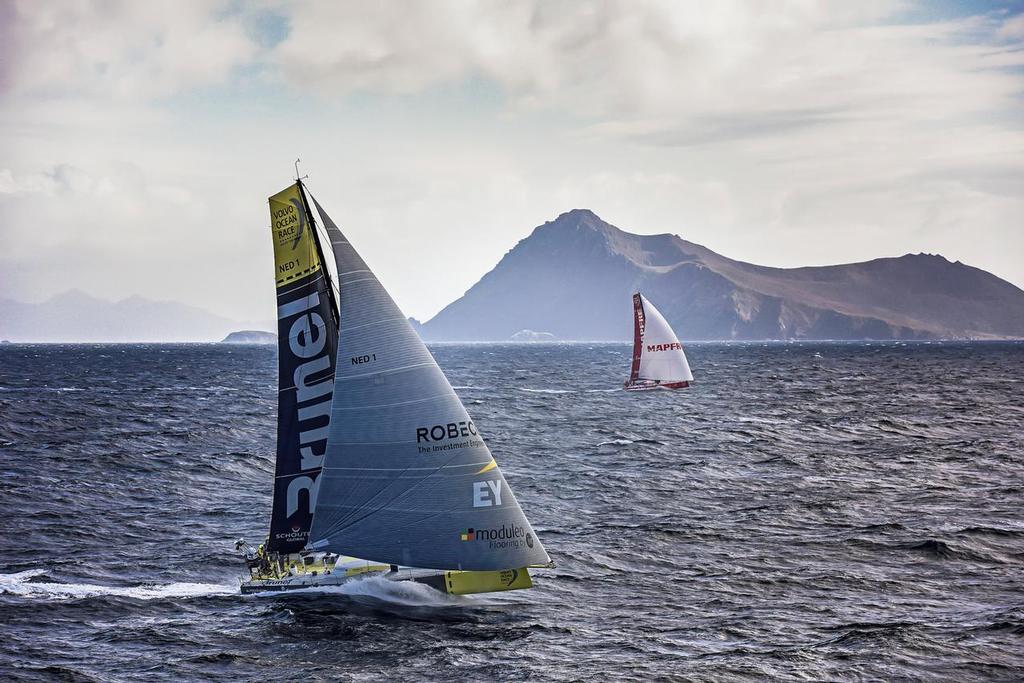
{"x": 100, "y": 228}
{"x": 119, "y": 48}
{"x": 63, "y": 179}
{"x": 144, "y": 136}
{"x": 1012, "y": 29}
{"x": 674, "y": 66}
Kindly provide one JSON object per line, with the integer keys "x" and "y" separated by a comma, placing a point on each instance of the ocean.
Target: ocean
{"x": 805, "y": 511}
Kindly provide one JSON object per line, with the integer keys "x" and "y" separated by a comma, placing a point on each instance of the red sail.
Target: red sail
{"x": 638, "y": 336}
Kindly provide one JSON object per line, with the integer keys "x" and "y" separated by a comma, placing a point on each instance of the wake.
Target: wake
{"x": 21, "y": 584}
{"x": 378, "y": 588}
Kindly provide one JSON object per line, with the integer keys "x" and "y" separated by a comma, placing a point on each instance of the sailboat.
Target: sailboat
{"x": 658, "y": 358}
{"x": 380, "y": 470}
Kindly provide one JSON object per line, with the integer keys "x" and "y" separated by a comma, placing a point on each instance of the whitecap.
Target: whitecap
{"x": 545, "y": 391}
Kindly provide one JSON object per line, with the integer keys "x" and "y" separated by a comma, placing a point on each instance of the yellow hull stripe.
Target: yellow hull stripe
{"x": 461, "y": 583}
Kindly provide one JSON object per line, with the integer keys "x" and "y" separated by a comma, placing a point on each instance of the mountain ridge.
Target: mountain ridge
{"x": 572, "y": 279}
{"x": 573, "y": 276}
{"x": 75, "y": 316}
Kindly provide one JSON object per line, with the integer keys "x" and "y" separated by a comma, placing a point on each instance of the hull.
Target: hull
{"x": 648, "y": 386}
{"x": 292, "y": 583}
{"x": 451, "y": 582}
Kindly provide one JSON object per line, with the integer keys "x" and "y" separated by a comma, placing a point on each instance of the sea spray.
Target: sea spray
{"x": 382, "y": 589}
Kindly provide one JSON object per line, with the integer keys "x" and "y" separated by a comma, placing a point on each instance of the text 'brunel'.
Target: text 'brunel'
{"x": 307, "y": 341}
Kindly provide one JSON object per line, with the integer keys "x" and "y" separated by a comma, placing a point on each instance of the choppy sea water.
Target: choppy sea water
{"x": 804, "y": 511}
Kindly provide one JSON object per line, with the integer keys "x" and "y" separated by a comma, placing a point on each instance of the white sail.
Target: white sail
{"x": 658, "y": 354}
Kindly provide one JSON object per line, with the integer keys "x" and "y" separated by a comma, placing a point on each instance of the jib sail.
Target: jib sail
{"x": 307, "y": 348}
{"x": 407, "y": 478}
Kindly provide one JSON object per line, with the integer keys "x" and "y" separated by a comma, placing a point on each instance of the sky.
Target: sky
{"x": 140, "y": 140}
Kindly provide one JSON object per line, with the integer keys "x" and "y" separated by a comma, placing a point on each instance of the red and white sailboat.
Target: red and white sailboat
{"x": 658, "y": 358}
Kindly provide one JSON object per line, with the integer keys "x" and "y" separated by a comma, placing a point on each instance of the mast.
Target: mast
{"x": 307, "y": 334}
{"x": 335, "y": 309}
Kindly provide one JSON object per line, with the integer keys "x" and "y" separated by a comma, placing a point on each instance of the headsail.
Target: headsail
{"x": 658, "y": 357}
{"x": 407, "y": 478}
{"x": 307, "y": 347}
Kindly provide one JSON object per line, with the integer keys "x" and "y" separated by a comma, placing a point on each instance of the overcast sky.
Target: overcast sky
{"x": 141, "y": 139}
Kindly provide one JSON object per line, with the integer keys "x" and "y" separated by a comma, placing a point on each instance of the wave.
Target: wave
{"x": 936, "y": 549}
{"x": 545, "y": 391}
{"x": 989, "y": 531}
{"x": 569, "y": 391}
{"x": 883, "y": 526}
{"x": 21, "y": 584}
{"x": 628, "y": 442}
{"x": 615, "y": 442}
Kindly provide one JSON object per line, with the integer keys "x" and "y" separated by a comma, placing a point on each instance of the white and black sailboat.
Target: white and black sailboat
{"x": 379, "y": 469}
{"x": 659, "y": 361}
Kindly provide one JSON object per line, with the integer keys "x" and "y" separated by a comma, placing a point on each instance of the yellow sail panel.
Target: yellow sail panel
{"x": 295, "y": 254}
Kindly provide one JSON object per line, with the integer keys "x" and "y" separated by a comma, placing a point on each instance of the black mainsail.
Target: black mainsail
{"x": 307, "y": 348}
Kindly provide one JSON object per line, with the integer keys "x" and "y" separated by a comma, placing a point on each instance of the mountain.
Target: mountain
{"x": 75, "y": 316}
{"x": 573, "y": 277}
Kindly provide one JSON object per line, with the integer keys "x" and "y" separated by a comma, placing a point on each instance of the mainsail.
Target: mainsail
{"x": 307, "y": 347}
{"x": 658, "y": 357}
{"x": 407, "y": 478}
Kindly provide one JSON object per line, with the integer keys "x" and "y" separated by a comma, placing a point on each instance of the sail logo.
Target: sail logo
{"x": 302, "y": 222}
{"x": 674, "y": 346}
{"x": 290, "y": 222}
{"x": 487, "y": 493}
{"x": 307, "y": 342}
{"x": 503, "y": 538}
{"x": 452, "y": 430}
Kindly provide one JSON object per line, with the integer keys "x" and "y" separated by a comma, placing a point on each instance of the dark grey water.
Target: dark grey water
{"x": 812, "y": 511}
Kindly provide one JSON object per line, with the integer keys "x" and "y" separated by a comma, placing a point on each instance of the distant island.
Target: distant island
{"x": 250, "y": 337}
{"x": 531, "y": 336}
{"x": 574, "y": 277}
